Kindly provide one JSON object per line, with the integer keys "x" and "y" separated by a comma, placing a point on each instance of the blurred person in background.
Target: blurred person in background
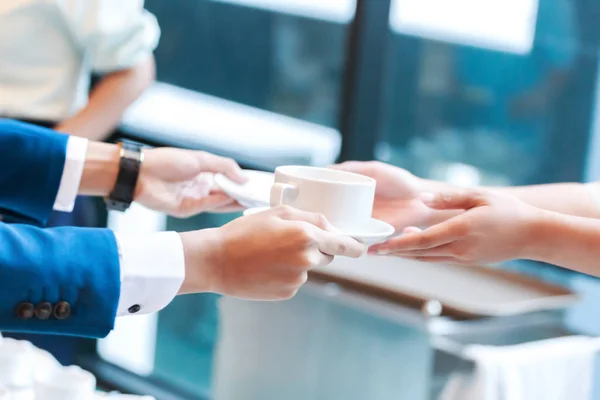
{"x": 555, "y": 223}
{"x": 49, "y": 50}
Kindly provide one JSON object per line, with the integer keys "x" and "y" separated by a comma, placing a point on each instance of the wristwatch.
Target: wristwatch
{"x": 130, "y": 165}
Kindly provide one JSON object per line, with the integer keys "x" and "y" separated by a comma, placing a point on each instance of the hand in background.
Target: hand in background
{"x": 495, "y": 227}
{"x": 397, "y": 199}
{"x": 264, "y": 256}
{"x": 179, "y": 182}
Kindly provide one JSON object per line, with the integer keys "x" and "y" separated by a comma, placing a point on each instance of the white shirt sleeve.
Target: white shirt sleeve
{"x": 152, "y": 271}
{"x": 71, "y": 177}
{"x": 113, "y": 34}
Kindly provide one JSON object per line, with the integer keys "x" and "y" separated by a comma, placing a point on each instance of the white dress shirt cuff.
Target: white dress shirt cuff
{"x": 152, "y": 271}
{"x": 71, "y": 176}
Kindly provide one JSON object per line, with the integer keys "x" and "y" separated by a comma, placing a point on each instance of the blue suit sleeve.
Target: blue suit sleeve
{"x": 32, "y": 160}
{"x": 76, "y": 267}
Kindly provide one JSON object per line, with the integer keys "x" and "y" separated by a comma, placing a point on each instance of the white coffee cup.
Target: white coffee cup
{"x": 64, "y": 383}
{"x": 344, "y": 198}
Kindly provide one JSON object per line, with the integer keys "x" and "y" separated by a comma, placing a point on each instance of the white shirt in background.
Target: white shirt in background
{"x": 50, "y": 48}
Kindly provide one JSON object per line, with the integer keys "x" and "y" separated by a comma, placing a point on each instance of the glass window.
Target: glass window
{"x": 495, "y": 106}
{"x": 479, "y": 23}
{"x": 284, "y": 56}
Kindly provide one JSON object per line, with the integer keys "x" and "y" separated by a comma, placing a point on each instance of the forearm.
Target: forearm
{"x": 201, "y": 251}
{"x": 100, "y": 169}
{"x": 109, "y": 100}
{"x": 567, "y": 241}
{"x": 567, "y": 198}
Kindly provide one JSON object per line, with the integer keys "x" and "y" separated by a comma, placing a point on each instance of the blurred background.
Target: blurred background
{"x": 494, "y": 92}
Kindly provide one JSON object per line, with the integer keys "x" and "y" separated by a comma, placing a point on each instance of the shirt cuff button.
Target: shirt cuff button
{"x": 134, "y": 309}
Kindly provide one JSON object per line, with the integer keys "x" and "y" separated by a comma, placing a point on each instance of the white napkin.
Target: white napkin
{"x": 554, "y": 369}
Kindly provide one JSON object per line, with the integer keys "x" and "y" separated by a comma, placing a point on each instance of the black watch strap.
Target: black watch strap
{"x": 130, "y": 165}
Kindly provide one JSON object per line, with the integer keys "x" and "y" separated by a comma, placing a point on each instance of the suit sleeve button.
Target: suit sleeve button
{"x": 62, "y": 310}
{"x": 43, "y": 310}
{"x": 25, "y": 310}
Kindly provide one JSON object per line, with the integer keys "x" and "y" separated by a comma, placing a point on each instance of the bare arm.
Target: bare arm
{"x": 109, "y": 100}
{"x": 100, "y": 169}
{"x": 398, "y": 192}
{"x": 566, "y": 198}
{"x": 496, "y": 227}
{"x": 567, "y": 241}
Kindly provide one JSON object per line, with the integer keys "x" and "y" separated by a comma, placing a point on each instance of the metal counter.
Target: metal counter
{"x": 330, "y": 343}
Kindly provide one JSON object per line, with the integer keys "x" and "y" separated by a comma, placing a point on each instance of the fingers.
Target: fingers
{"x": 445, "y": 250}
{"x": 318, "y": 258}
{"x": 338, "y": 245}
{"x": 293, "y": 214}
{"x": 453, "y": 200}
{"x": 432, "y": 259}
{"x": 226, "y": 166}
{"x": 358, "y": 167}
{"x": 217, "y": 201}
{"x": 325, "y": 235}
{"x": 435, "y": 236}
{"x": 232, "y": 207}
{"x": 412, "y": 229}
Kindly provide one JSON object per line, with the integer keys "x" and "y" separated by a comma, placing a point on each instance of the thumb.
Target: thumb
{"x": 454, "y": 200}
{"x": 214, "y": 201}
{"x": 350, "y": 166}
{"x": 193, "y": 206}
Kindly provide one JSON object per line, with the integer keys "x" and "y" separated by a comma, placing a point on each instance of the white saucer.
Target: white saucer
{"x": 374, "y": 231}
{"x": 254, "y": 193}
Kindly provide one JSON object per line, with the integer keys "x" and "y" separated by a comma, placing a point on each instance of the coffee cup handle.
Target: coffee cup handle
{"x": 279, "y": 191}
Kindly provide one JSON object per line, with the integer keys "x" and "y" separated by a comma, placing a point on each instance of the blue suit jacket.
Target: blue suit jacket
{"x": 59, "y": 280}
